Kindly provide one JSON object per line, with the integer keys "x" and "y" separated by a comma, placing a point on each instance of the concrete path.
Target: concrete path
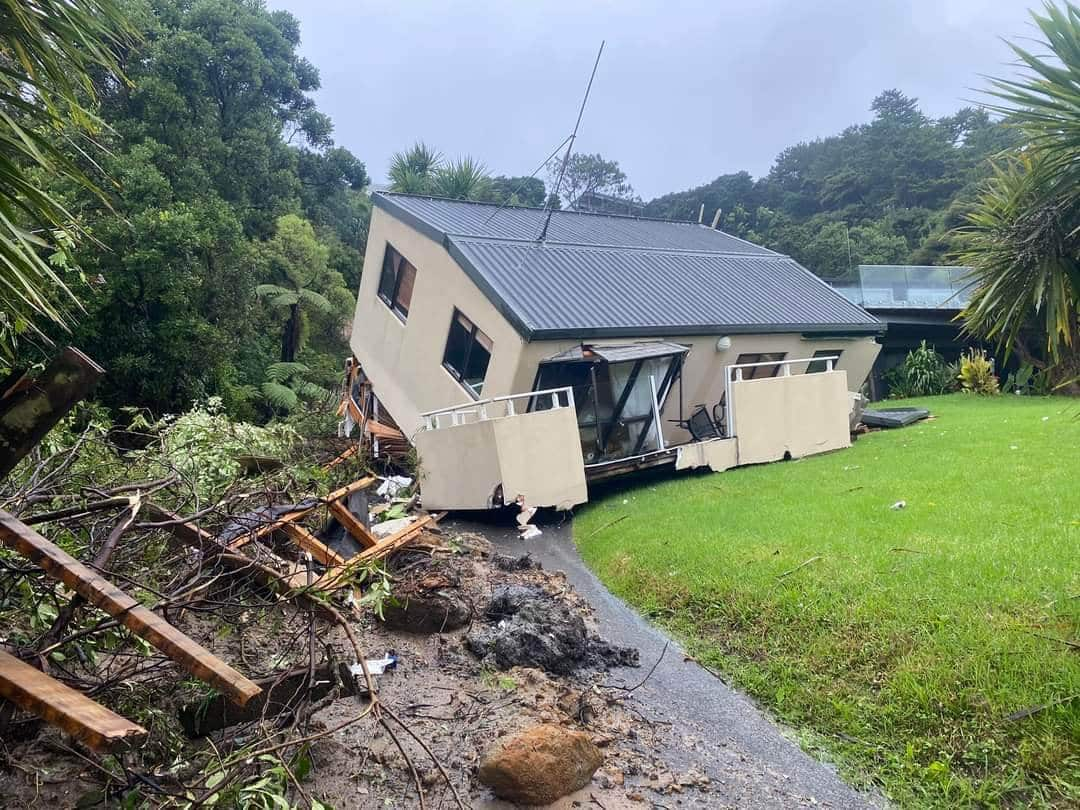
{"x": 746, "y": 755}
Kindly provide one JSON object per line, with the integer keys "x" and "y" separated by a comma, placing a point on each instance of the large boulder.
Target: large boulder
{"x": 540, "y": 764}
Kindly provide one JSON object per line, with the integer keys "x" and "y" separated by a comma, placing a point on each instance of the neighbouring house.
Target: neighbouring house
{"x": 525, "y": 352}
{"x": 916, "y": 303}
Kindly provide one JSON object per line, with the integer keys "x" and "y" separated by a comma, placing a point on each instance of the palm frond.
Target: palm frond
{"x": 278, "y": 296}
{"x": 462, "y": 179}
{"x": 1022, "y": 245}
{"x": 283, "y": 372}
{"x": 50, "y": 49}
{"x": 316, "y": 300}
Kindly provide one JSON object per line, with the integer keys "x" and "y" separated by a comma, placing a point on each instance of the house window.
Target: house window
{"x": 396, "y": 282}
{"x": 817, "y": 366}
{"x": 468, "y": 352}
{"x": 759, "y": 372}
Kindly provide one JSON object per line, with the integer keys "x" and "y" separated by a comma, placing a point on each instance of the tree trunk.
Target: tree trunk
{"x": 290, "y": 340}
{"x": 30, "y": 408}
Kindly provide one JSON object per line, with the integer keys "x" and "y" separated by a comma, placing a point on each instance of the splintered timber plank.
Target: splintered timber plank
{"x": 61, "y": 706}
{"x": 352, "y": 524}
{"x": 289, "y": 517}
{"x": 398, "y": 539}
{"x": 144, "y": 623}
{"x": 332, "y": 578}
{"x": 31, "y": 409}
{"x": 312, "y": 544}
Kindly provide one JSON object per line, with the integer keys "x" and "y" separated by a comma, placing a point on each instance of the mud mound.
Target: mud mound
{"x": 528, "y": 627}
{"x": 427, "y": 598}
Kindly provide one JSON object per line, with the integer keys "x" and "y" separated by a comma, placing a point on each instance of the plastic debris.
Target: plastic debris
{"x": 376, "y": 666}
{"x": 529, "y": 531}
{"x": 525, "y": 514}
{"x": 391, "y": 486}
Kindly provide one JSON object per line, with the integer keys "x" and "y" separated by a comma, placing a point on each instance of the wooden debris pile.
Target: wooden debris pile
{"x": 379, "y": 434}
{"x": 213, "y": 566}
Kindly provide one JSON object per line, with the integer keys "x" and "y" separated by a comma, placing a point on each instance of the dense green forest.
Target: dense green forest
{"x": 234, "y": 227}
{"x": 891, "y": 191}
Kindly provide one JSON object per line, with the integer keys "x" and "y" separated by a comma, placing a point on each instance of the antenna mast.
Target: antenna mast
{"x": 570, "y": 146}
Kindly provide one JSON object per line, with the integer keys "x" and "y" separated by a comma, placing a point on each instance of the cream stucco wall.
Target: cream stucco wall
{"x": 795, "y": 416}
{"x": 536, "y": 455}
{"x": 404, "y": 360}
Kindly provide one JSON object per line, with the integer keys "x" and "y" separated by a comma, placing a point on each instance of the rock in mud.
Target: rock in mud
{"x": 530, "y": 628}
{"x": 540, "y": 764}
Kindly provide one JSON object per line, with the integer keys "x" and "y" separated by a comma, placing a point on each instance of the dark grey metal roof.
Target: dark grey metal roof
{"x": 616, "y": 354}
{"x": 601, "y": 275}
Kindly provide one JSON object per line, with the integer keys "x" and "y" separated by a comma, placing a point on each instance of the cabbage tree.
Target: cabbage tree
{"x": 1023, "y": 236}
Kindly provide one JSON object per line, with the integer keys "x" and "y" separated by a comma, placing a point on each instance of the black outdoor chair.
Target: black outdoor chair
{"x": 700, "y": 425}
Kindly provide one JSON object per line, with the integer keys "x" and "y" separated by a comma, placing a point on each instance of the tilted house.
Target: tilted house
{"x": 662, "y": 342}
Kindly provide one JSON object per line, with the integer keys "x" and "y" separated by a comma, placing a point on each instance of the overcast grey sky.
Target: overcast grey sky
{"x": 685, "y": 90}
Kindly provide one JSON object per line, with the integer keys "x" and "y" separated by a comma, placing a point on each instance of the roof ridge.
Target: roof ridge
{"x": 489, "y": 204}
{"x": 765, "y": 254}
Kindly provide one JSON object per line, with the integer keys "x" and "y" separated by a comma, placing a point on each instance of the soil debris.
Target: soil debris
{"x": 504, "y": 562}
{"x": 529, "y": 627}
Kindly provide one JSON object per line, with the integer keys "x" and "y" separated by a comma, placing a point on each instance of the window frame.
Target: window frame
{"x": 472, "y": 333}
{"x": 760, "y": 372}
{"x": 823, "y": 353}
{"x": 391, "y": 301}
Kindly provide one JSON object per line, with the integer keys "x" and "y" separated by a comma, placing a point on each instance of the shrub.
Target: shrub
{"x": 203, "y": 444}
{"x": 977, "y": 373}
{"x": 1027, "y": 380}
{"x": 923, "y": 373}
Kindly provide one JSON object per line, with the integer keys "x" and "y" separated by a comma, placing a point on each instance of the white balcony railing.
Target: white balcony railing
{"x": 494, "y": 408}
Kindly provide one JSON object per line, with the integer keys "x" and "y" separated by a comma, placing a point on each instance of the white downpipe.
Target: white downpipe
{"x": 656, "y": 413}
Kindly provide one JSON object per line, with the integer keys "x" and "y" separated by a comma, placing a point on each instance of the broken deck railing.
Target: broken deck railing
{"x": 500, "y": 407}
{"x": 734, "y": 374}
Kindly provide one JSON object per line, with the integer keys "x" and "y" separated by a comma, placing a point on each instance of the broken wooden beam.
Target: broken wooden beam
{"x": 61, "y": 706}
{"x": 341, "y": 459}
{"x": 312, "y": 544}
{"x": 281, "y": 693}
{"x": 34, "y": 408}
{"x": 334, "y": 577}
{"x": 143, "y": 622}
{"x": 196, "y": 538}
{"x": 357, "y": 530}
{"x": 290, "y": 517}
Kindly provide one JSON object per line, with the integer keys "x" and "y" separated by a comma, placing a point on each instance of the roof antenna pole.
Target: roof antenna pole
{"x": 570, "y": 146}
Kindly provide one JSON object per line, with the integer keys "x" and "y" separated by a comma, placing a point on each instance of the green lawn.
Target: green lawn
{"x": 898, "y": 641}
